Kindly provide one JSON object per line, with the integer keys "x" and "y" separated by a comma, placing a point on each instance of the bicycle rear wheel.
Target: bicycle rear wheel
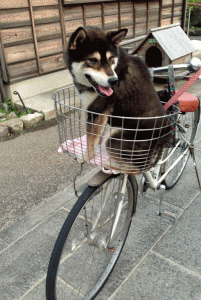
{"x": 81, "y": 260}
{"x": 187, "y": 127}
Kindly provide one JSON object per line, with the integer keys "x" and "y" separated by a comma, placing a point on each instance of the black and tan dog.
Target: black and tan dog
{"x": 113, "y": 83}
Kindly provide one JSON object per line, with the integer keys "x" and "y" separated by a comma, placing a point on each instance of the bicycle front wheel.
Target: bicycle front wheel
{"x": 185, "y": 132}
{"x": 82, "y": 258}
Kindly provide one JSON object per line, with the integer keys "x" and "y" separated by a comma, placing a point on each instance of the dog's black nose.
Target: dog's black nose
{"x": 113, "y": 81}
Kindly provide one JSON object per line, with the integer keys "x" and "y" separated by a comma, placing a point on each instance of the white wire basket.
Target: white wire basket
{"x": 130, "y": 147}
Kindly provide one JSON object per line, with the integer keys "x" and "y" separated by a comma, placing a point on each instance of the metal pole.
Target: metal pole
{"x": 189, "y": 16}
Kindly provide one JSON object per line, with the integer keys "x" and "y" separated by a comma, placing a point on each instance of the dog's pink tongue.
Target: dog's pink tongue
{"x": 105, "y": 90}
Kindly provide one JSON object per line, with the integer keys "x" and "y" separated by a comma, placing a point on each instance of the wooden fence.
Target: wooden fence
{"x": 34, "y": 33}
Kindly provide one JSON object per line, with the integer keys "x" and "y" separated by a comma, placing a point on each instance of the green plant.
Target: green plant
{"x": 195, "y": 15}
{"x": 11, "y": 108}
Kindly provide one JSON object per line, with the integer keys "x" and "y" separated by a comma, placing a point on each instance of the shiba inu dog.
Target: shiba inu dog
{"x": 112, "y": 83}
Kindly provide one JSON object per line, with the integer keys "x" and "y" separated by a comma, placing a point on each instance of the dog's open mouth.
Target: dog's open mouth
{"x": 101, "y": 90}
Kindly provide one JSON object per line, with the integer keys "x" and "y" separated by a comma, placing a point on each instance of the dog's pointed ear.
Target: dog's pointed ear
{"x": 115, "y": 37}
{"x": 77, "y": 37}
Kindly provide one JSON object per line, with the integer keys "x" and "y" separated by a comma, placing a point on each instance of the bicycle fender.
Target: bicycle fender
{"x": 99, "y": 178}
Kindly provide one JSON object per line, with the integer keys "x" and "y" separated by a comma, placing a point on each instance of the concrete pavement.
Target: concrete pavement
{"x": 160, "y": 261}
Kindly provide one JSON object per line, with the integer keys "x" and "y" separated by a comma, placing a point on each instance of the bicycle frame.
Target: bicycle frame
{"x": 151, "y": 176}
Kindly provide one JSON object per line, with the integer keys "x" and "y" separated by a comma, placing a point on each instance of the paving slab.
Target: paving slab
{"x": 146, "y": 229}
{"x": 182, "y": 243}
{"x": 3, "y": 245}
{"x": 25, "y": 261}
{"x": 160, "y": 279}
{"x": 38, "y": 293}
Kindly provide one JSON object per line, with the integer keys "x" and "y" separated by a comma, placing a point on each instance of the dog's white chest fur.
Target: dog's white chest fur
{"x": 87, "y": 98}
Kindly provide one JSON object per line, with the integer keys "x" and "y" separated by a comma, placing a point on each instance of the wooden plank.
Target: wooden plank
{"x": 17, "y": 17}
{"x": 23, "y": 69}
{"x": 14, "y": 18}
{"x": 93, "y": 10}
{"x": 119, "y": 15}
{"x": 140, "y": 6}
{"x": 111, "y": 22}
{"x": 10, "y": 4}
{"x": 17, "y": 36}
{"x": 126, "y": 7}
{"x": 21, "y": 53}
{"x": 153, "y": 24}
{"x": 160, "y": 13}
{"x": 180, "y": 2}
{"x": 166, "y": 13}
{"x": 147, "y": 17}
{"x": 103, "y": 15}
{"x": 72, "y": 13}
{"x": 140, "y": 29}
{"x": 111, "y": 9}
{"x": 46, "y": 14}
{"x": 4, "y": 67}
{"x": 62, "y": 24}
{"x": 72, "y": 25}
{"x": 178, "y": 19}
{"x": 126, "y": 19}
{"x": 96, "y": 21}
{"x": 48, "y": 31}
{"x": 165, "y": 22}
{"x": 52, "y": 63}
{"x": 34, "y": 35}
{"x": 153, "y": 14}
{"x": 140, "y": 16}
{"x": 178, "y": 11}
{"x": 166, "y": 2}
{"x": 45, "y": 2}
{"x": 50, "y": 47}
{"x": 172, "y": 11}
{"x": 73, "y": 2}
{"x": 134, "y": 17}
{"x": 84, "y": 14}
{"x": 153, "y": 4}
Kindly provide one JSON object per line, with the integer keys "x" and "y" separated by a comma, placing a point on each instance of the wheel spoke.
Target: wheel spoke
{"x": 86, "y": 261}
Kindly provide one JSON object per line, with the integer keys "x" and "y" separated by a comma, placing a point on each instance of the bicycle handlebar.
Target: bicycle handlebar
{"x": 194, "y": 65}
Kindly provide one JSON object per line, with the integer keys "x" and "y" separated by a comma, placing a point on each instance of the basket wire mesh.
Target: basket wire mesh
{"x": 123, "y": 144}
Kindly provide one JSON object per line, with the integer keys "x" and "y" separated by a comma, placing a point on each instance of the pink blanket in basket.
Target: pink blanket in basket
{"x": 78, "y": 148}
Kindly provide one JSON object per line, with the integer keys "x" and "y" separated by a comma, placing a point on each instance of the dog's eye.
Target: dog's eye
{"x": 93, "y": 61}
{"x": 111, "y": 60}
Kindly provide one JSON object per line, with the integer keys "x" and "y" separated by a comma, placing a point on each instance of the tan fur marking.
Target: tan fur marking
{"x": 96, "y": 55}
{"x": 94, "y": 133}
{"x": 108, "y": 55}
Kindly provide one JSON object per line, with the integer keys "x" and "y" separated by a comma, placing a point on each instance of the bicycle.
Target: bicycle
{"x": 96, "y": 228}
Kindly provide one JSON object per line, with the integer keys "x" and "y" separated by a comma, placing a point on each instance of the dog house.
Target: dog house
{"x": 165, "y": 45}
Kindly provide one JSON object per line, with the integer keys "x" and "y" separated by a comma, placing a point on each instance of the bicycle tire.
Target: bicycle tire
{"x": 62, "y": 256}
{"x": 189, "y": 121}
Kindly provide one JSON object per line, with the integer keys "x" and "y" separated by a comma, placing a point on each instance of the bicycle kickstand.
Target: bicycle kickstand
{"x": 168, "y": 215}
{"x": 192, "y": 152}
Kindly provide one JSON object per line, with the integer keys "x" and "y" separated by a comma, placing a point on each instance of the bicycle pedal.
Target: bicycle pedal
{"x": 170, "y": 216}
